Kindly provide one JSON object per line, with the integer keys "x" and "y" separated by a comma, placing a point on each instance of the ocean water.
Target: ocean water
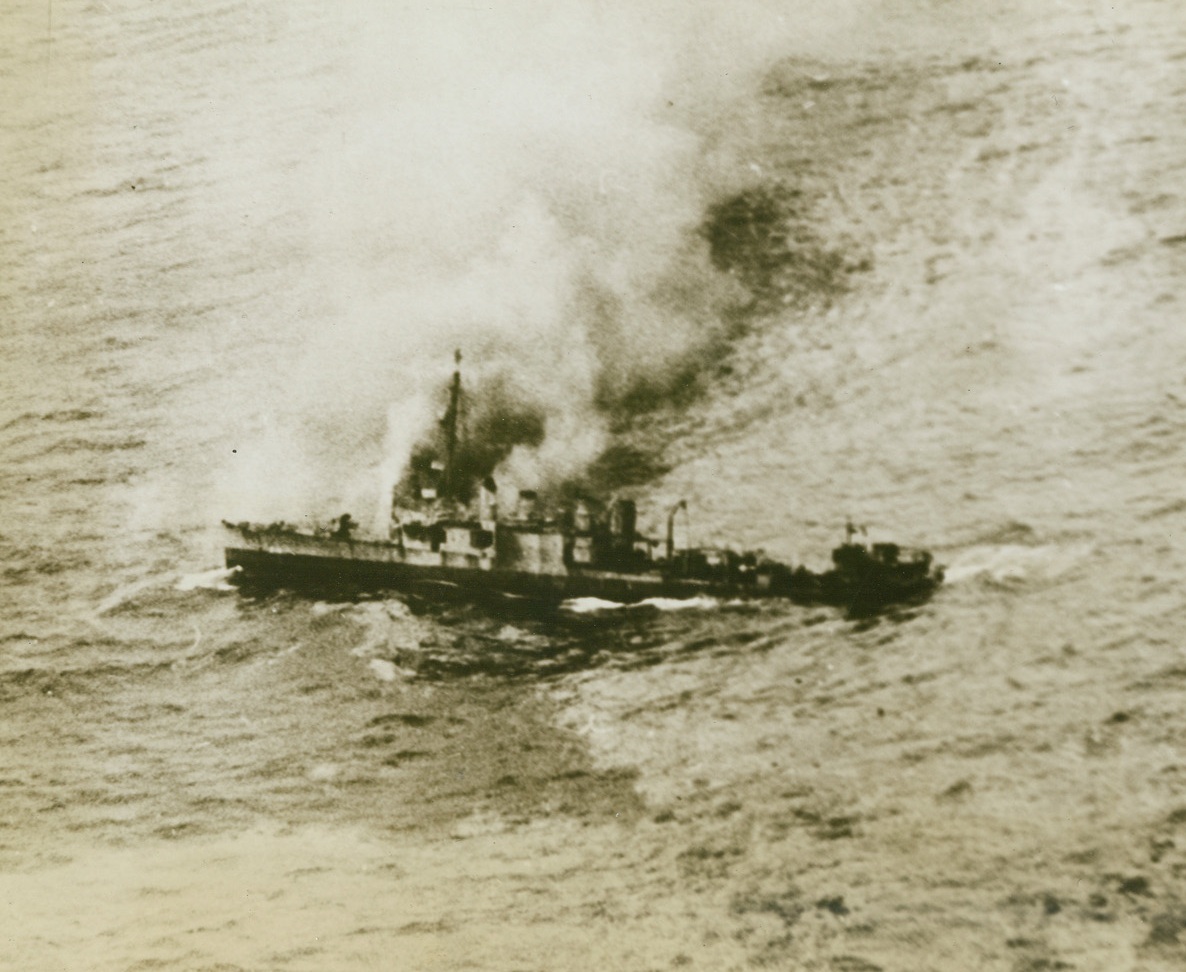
{"x": 225, "y": 277}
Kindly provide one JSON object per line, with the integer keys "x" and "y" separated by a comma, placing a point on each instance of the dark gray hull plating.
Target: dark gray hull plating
{"x": 354, "y": 567}
{"x": 307, "y": 570}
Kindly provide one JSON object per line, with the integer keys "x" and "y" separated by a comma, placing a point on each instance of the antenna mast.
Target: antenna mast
{"x": 452, "y": 419}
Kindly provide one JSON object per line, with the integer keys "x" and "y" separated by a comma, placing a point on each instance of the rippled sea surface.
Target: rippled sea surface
{"x": 195, "y": 778}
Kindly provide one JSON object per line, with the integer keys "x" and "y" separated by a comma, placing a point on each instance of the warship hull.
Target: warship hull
{"x": 294, "y": 560}
{"x": 446, "y": 537}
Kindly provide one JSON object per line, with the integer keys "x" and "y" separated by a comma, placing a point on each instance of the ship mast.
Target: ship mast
{"x": 451, "y": 422}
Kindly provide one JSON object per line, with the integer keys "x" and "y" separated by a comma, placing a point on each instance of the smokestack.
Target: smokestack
{"x": 681, "y": 505}
{"x": 528, "y": 505}
{"x": 622, "y": 520}
{"x": 582, "y": 519}
{"x": 488, "y": 501}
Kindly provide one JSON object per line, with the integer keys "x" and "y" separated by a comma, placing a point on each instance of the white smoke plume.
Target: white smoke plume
{"x": 523, "y": 181}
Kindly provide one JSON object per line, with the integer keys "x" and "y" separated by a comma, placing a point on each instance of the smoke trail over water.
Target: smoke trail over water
{"x": 525, "y": 182}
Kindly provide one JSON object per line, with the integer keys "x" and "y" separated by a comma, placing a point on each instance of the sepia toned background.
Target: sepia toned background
{"x": 914, "y": 262}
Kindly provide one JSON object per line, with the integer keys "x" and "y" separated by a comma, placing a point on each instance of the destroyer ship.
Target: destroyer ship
{"x": 448, "y": 536}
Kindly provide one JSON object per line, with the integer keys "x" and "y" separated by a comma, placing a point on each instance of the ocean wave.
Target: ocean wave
{"x": 590, "y": 605}
{"x": 122, "y": 596}
{"x": 1015, "y": 563}
{"x": 217, "y": 579}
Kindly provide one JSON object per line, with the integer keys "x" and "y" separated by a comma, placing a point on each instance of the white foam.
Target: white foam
{"x": 321, "y": 608}
{"x": 217, "y": 579}
{"x": 129, "y": 592}
{"x": 681, "y": 604}
{"x": 1011, "y": 563}
{"x": 589, "y": 605}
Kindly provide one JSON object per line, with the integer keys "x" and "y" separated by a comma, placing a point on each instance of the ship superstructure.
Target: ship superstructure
{"x": 448, "y": 533}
